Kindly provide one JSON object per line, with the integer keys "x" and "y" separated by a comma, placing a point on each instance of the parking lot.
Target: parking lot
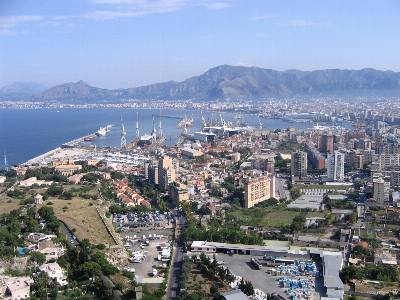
{"x": 150, "y": 252}
{"x": 145, "y": 221}
{"x": 240, "y": 265}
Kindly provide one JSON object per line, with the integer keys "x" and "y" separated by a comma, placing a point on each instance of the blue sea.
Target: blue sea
{"x": 27, "y": 133}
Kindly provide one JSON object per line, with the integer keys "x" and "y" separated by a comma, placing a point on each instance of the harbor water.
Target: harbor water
{"x": 27, "y": 133}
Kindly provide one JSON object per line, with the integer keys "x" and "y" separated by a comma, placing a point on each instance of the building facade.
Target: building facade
{"x": 335, "y": 166}
{"x": 299, "y": 164}
{"x": 257, "y": 190}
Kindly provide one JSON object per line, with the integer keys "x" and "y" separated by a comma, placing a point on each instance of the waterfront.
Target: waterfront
{"x": 27, "y": 133}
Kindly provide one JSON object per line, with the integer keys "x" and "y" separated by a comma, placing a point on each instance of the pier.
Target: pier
{"x": 184, "y": 123}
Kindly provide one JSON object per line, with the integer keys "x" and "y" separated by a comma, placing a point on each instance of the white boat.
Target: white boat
{"x": 102, "y": 131}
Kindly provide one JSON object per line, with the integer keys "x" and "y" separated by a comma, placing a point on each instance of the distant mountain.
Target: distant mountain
{"x": 23, "y": 88}
{"x": 78, "y": 92}
{"x": 237, "y": 82}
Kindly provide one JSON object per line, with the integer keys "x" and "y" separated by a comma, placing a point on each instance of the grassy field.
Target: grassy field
{"x": 77, "y": 213}
{"x": 315, "y": 214}
{"x": 279, "y": 218}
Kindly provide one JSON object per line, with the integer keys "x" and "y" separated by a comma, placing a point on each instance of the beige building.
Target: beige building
{"x": 178, "y": 192}
{"x": 33, "y": 180}
{"x": 257, "y": 190}
{"x": 67, "y": 170}
{"x": 166, "y": 171}
{"x": 19, "y": 287}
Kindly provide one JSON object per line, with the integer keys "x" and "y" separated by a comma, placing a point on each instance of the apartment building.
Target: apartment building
{"x": 257, "y": 190}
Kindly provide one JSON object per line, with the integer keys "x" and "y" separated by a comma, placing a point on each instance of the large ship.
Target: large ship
{"x": 89, "y": 138}
{"x": 102, "y": 131}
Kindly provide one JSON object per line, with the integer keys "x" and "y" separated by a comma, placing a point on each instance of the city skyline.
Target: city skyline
{"x": 124, "y": 43}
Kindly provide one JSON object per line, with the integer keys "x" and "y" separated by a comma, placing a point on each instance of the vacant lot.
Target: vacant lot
{"x": 279, "y": 218}
{"x": 78, "y": 213}
{"x": 198, "y": 280}
{"x": 81, "y": 214}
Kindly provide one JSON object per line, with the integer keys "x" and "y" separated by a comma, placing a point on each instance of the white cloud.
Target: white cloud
{"x": 7, "y": 32}
{"x": 256, "y": 18}
{"x": 71, "y": 25}
{"x": 242, "y": 64}
{"x": 134, "y": 8}
{"x": 296, "y": 23}
{"x": 12, "y": 21}
{"x": 50, "y": 23}
{"x": 216, "y": 5}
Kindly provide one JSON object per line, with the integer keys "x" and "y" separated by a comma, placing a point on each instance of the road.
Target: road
{"x": 176, "y": 261}
{"x": 279, "y": 185}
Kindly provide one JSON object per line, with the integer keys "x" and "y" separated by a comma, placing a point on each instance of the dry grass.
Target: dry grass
{"x": 77, "y": 213}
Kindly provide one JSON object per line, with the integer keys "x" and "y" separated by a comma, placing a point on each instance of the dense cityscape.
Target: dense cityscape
{"x": 199, "y": 150}
{"x": 314, "y": 208}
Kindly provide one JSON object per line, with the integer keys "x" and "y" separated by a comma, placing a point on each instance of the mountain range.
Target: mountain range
{"x": 237, "y": 83}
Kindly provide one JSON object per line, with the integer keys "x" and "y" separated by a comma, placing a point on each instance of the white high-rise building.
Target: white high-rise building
{"x": 335, "y": 166}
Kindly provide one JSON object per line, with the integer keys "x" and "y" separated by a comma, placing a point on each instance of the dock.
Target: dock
{"x": 184, "y": 123}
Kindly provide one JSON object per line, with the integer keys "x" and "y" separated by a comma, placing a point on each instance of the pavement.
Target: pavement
{"x": 240, "y": 265}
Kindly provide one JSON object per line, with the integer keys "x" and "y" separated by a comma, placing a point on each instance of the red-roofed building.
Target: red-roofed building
{"x": 392, "y": 214}
{"x": 145, "y": 203}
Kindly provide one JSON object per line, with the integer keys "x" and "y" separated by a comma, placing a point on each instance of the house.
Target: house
{"x": 33, "y": 180}
{"x": 54, "y": 271}
{"x": 19, "y": 287}
{"x": 393, "y": 214}
{"x": 48, "y": 248}
{"x": 36, "y": 237}
{"x": 384, "y": 257}
{"x": 380, "y": 218}
{"x": 75, "y": 178}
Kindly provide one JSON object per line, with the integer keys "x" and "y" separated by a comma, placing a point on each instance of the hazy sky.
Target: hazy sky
{"x": 129, "y": 43}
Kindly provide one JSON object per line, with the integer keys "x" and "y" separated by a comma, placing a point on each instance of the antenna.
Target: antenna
{"x": 123, "y": 135}
{"x": 137, "y": 126}
{"x": 5, "y": 161}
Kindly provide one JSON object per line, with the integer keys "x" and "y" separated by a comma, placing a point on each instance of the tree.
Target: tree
{"x": 31, "y": 212}
{"x": 214, "y": 289}
{"x": 162, "y": 205}
{"x": 37, "y": 257}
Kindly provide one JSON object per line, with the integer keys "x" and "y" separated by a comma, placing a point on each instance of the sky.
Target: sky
{"x": 130, "y": 43}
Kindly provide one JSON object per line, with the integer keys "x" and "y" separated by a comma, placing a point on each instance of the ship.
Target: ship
{"x": 102, "y": 131}
{"x": 89, "y": 138}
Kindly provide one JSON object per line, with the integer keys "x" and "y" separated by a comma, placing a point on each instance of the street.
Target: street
{"x": 176, "y": 262}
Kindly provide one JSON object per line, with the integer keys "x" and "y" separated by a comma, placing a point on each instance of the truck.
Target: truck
{"x": 256, "y": 263}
